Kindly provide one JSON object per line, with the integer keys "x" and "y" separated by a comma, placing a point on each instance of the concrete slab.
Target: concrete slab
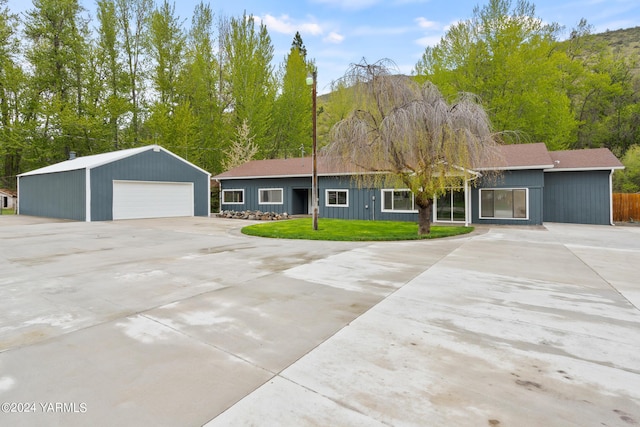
{"x": 186, "y": 321}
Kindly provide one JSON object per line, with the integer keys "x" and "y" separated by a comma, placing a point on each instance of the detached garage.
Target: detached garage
{"x": 144, "y": 182}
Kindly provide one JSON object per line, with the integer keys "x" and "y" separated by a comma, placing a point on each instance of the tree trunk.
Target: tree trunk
{"x": 424, "y": 217}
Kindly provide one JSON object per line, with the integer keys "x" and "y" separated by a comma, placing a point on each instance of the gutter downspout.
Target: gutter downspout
{"x": 219, "y": 197}
{"x": 87, "y": 189}
{"x": 611, "y": 197}
{"x": 466, "y": 202}
{"x": 17, "y": 205}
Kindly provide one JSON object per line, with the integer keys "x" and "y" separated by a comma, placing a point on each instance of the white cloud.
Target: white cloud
{"x": 334, "y": 38}
{"x": 285, "y": 25}
{"x": 428, "y": 25}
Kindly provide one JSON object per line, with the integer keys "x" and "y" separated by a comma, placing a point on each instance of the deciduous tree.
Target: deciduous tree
{"x": 408, "y": 136}
{"x": 509, "y": 58}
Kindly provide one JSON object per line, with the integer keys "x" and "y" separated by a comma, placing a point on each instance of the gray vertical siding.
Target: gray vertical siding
{"x": 146, "y": 166}
{"x": 581, "y": 197}
{"x": 531, "y": 179}
{"x": 54, "y": 195}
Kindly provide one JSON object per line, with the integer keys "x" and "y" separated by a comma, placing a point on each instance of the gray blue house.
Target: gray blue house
{"x": 143, "y": 182}
{"x": 534, "y": 186}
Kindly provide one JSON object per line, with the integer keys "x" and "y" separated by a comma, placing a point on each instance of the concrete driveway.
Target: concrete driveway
{"x": 186, "y": 322}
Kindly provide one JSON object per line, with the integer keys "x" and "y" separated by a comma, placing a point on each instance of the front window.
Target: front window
{"x": 233, "y": 197}
{"x": 398, "y": 201}
{"x": 337, "y": 198}
{"x": 504, "y": 203}
{"x": 270, "y": 196}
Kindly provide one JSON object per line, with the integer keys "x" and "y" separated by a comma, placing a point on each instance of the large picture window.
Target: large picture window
{"x": 337, "y": 198}
{"x": 270, "y": 196}
{"x": 398, "y": 201}
{"x": 233, "y": 197}
{"x": 509, "y": 203}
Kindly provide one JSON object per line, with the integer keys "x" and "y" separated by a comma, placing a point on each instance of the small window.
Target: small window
{"x": 337, "y": 198}
{"x": 398, "y": 201}
{"x": 270, "y": 196}
{"x": 504, "y": 203}
{"x": 233, "y": 197}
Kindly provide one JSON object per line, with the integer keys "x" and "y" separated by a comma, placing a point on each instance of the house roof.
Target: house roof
{"x": 520, "y": 156}
{"x": 279, "y": 168}
{"x": 510, "y": 157}
{"x": 90, "y": 162}
{"x": 8, "y": 192}
{"x": 583, "y": 160}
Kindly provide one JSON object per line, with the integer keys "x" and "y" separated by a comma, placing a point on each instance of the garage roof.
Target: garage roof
{"x": 90, "y": 162}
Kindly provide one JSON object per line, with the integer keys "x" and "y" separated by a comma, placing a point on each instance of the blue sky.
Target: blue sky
{"x": 338, "y": 33}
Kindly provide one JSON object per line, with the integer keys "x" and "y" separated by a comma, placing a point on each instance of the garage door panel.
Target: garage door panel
{"x": 143, "y": 199}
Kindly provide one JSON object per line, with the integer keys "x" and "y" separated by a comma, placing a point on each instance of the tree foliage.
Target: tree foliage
{"x": 291, "y": 113}
{"x": 251, "y": 81}
{"x": 138, "y": 74}
{"x": 242, "y": 148}
{"x": 628, "y": 179}
{"x": 509, "y": 58}
{"x": 407, "y": 135}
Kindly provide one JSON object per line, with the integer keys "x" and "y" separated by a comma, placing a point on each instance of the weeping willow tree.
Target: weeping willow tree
{"x": 406, "y": 135}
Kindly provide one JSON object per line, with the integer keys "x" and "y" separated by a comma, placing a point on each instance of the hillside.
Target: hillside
{"x": 623, "y": 42}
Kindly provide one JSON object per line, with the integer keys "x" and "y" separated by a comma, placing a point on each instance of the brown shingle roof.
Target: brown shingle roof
{"x": 272, "y": 168}
{"x": 588, "y": 159}
{"x": 511, "y": 157}
{"x": 520, "y": 156}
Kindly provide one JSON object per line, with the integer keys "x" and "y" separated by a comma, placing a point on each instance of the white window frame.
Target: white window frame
{"x": 260, "y": 190}
{"x": 393, "y": 190}
{"x": 450, "y": 191}
{"x": 526, "y": 192}
{"x": 233, "y": 190}
{"x": 336, "y": 205}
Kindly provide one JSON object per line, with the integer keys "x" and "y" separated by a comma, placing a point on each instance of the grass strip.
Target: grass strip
{"x": 349, "y": 230}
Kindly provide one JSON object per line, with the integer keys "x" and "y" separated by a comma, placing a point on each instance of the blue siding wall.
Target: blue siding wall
{"x": 531, "y": 179}
{"x": 146, "y": 166}
{"x": 577, "y": 197}
{"x": 54, "y": 195}
{"x": 364, "y": 203}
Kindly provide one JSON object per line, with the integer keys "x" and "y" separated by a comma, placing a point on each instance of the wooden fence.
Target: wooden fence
{"x": 626, "y": 207}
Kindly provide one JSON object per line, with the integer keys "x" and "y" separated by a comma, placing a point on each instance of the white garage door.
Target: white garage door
{"x": 143, "y": 199}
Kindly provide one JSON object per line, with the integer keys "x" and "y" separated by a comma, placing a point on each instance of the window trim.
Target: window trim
{"x": 260, "y": 190}
{"x": 232, "y": 190}
{"x": 392, "y": 190}
{"x": 450, "y": 191}
{"x": 526, "y": 192}
{"x": 336, "y": 205}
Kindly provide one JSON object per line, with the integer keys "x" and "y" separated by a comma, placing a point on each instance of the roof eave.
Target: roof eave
{"x": 595, "y": 168}
{"x": 511, "y": 168}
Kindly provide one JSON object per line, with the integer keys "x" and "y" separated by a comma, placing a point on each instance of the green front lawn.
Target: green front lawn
{"x": 349, "y": 230}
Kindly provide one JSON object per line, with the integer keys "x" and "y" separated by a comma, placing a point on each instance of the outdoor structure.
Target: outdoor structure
{"x": 8, "y": 199}
{"x": 144, "y": 182}
{"x": 535, "y": 185}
